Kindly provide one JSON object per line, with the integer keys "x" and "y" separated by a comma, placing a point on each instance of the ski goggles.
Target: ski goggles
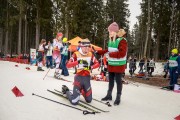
{"x": 85, "y": 45}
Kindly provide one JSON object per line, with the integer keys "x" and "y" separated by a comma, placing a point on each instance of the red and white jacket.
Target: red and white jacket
{"x": 80, "y": 70}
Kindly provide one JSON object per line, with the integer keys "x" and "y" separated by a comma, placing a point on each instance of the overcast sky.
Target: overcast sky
{"x": 134, "y": 7}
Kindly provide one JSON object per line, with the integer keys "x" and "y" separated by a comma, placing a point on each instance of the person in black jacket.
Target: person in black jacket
{"x": 141, "y": 64}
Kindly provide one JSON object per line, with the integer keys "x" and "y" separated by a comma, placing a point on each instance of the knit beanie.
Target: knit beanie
{"x": 113, "y": 27}
{"x": 59, "y": 34}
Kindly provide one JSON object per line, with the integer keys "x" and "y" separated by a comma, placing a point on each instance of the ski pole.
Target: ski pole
{"x": 82, "y": 105}
{"x": 85, "y": 112}
{"x": 86, "y": 103}
{"x": 46, "y": 73}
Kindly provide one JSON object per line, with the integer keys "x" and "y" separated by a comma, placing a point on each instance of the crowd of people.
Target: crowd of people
{"x": 56, "y": 55}
{"x": 145, "y": 65}
{"x": 171, "y": 67}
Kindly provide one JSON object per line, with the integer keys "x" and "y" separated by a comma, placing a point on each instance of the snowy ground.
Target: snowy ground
{"x": 138, "y": 103}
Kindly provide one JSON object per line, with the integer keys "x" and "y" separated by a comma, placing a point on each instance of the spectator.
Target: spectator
{"x": 166, "y": 68}
{"x": 105, "y": 64}
{"x": 141, "y": 64}
{"x": 174, "y": 68}
{"x": 148, "y": 68}
{"x": 1, "y": 54}
{"x": 132, "y": 66}
{"x": 64, "y": 57}
{"x": 49, "y": 55}
{"x": 41, "y": 54}
{"x": 151, "y": 67}
{"x": 117, "y": 51}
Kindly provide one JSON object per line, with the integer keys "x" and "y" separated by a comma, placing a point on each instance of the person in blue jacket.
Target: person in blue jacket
{"x": 174, "y": 67}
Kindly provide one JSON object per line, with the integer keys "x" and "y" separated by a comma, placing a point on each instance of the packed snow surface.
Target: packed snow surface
{"x": 137, "y": 103}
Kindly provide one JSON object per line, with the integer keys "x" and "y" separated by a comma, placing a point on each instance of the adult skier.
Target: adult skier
{"x": 81, "y": 59}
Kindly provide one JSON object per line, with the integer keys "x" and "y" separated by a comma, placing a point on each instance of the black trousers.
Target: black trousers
{"x": 115, "y": 77}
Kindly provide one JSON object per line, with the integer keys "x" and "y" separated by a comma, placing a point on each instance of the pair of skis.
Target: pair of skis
{"x": 107, "y": 103}
{"x": 81, "y": 104}
{"x": 85, "y": 112}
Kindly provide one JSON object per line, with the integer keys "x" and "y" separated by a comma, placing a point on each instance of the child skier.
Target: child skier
{"x": 82, "y": 60}
{"x": 174, "y": 68}
{"x": 57, "y": 45}
{"x": 64, "y": 57}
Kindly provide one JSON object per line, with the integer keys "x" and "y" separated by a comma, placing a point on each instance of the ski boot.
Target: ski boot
{"x": 118, "y": 99}
{"x": 40, "y": 69}
{"x": 107, "y": 97}
{"x": 64, "y": 89}
{"x": 57, "y": 75}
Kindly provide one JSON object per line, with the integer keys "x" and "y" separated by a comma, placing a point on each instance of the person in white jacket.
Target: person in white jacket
{"x": 49, "y": 55}
{"x": 57, "y": 45}
{"x": 151, "y": 67}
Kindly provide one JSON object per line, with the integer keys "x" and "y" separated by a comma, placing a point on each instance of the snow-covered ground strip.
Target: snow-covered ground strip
{"x": 138, "y": 103}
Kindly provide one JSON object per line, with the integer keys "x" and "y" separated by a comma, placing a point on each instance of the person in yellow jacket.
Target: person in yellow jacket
{"x": 64, "y": 57}
{"x": 174, "y": 67}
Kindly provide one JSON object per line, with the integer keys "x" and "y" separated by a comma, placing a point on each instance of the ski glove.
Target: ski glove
{"x": 64, "y": 89}
{"x": 83, "y": 62}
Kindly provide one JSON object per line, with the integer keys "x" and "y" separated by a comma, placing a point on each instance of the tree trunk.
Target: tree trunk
{"x": 11, "y": 41}
{"x": 20, "y": 28}
{"x": 67, "y": 30}
{"x": 178, "y": 37}
{"x": 157, "y": 46}
{"x": 37, "y": 29}
{"x": 25, "y": 36}
{"x": 7, "y": 31}
{"x": 1, "y": 39}
{"x": 171, "y": 27}
{"x": 148, "y": 28}
{"x": 28, "y": 39}
{"x": 66, "y": 22}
